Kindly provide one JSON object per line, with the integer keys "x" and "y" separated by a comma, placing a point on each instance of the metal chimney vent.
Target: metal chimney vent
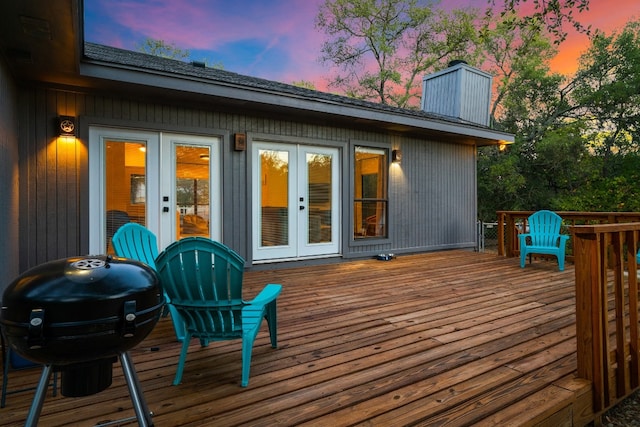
{"x": 460, "y": 91}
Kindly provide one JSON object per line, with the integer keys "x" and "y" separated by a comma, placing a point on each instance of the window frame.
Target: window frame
{"x": 355, "y": 239}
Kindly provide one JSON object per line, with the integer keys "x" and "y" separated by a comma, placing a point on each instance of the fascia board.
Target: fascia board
{"x": 262, "y": 96}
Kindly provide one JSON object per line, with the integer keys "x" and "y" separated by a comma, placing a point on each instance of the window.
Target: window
{"x": 370, "y": 193}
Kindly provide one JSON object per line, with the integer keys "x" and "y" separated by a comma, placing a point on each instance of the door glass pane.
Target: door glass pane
{"x": 126, "y": 186}
{"x": 192, "y": 190}
{"x": 319, "y": 191}
{"x": 274, "y": 197}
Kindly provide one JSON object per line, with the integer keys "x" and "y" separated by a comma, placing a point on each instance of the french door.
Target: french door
{"x": 167, "y": 182}
{"x": 295, "y": 201}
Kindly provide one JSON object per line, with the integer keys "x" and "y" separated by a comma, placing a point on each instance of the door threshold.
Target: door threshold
{"x": 306, "y": 258}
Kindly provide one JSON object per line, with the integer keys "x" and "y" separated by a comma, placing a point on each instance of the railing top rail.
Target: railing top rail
{"x": 577, "y": 214}
{"x": 605, "y": 228}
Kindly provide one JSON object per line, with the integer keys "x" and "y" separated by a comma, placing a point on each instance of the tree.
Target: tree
{"x": 577, "y": 139}
{"x": 608, "y": 89}
{"x": 554, "y": 13}
{"x": 167, "y": 50}
{"x": 500, "y": 182}
{"x": 382, "y": 47}
{"x": 163, "y": 49}
{"x": 518, "y": 59}
{"x": 305, "y": 84}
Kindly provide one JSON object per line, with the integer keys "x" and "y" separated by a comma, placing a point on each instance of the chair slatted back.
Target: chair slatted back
{"x": 134, "y": 241}
{"x": 203, "y": 279}
{"x": 544, "y": 228}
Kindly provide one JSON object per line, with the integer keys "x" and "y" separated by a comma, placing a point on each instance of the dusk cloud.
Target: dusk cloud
{"x": 274, "y": 39}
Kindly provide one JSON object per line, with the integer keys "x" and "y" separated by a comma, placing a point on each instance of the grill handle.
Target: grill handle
{"x": 129, "y": 329}
{"x": 35, "y": 338}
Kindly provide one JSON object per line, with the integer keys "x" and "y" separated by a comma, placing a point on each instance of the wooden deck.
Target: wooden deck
{"x": 449, "y": 338}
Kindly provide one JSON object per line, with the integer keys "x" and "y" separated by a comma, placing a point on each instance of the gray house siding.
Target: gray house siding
{"x": 9, "y": 213}
{"x": 50, "y": 196}
{"x": 437, "y": 197}
{"x": 432, "y": 192}
{"x": 432, "y": 204}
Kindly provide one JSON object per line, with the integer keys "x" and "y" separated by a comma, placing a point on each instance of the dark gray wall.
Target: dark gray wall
{"x": 432, "y": 192}
{"x": 9, "y": 263}
{"x": 433, "y": 197}
{"x": 50, "y": 187}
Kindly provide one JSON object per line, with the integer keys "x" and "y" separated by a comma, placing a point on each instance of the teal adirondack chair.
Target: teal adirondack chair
{"x": 134, "y": 241}
{"x": 203, "y": 279}
{"x": 543, "y": 237}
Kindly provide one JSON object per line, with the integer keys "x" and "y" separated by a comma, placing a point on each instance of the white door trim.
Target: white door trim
{"x": 160, "y": 181}
{"x": 297, "y": 208}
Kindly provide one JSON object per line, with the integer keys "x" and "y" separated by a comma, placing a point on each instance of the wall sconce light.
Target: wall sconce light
{"x": 396, "y": 156}
{"x": 240, "y": 141}
{"x": 67, "y": 126}
{"x": 503, "y": 145}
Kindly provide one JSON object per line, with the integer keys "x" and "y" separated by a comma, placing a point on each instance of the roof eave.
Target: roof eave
{"x": 196, "y": 85}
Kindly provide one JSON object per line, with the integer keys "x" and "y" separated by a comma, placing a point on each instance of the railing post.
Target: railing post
{"x": 632, "y": 249}
{"x": 607, "y": 305}
{"x": 590, "y": 307}
{"x": 511, "y": 235}
{"x": 501, "y": 226}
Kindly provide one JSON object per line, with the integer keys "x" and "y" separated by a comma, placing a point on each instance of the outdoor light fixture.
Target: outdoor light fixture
{"x": 66, "y": 126}
{"x": 240, "y": 141}
{"x": 503, "y": 145}
{"x": 396, "y": 156}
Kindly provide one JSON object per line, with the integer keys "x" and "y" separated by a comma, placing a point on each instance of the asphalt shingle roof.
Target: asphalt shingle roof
{"x": 215, "y": 76}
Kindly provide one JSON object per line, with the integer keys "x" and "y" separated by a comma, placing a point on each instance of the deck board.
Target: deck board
{"x": 456, "y": 337}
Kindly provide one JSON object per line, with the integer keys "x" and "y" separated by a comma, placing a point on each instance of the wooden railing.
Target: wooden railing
{"x": 510, "y": 223}
{"x": 607, "y": 309}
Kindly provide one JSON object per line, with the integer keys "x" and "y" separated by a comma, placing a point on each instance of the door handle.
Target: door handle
{"x": 301, "y": 208}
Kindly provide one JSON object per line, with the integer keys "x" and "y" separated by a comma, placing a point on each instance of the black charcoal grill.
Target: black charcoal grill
{"x": 79, "y": 315}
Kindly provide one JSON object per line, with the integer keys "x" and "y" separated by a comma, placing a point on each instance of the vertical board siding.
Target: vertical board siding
{"x": 432, "y": 203}
{"x": 9, "y": 201}
{"x": 476, "y": 90}
{"x": 437, "y": 96}
{"x": 430, "y": 208}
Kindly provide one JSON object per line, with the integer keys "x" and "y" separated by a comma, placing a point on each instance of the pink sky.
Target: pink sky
{"x": 605, "y": 15}
{"x": 275, "y": 39}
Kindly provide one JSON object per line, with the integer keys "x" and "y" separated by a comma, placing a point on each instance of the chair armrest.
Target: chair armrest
{"x": 268, "y": 294}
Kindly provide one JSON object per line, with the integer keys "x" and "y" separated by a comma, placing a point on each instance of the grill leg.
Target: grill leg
{"x": 38, "y": 398}
{"x": 139, "y": 405}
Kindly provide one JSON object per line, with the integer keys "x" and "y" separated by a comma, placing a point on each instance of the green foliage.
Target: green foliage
{"x": 555, "y": 14}
{"x": 501, "y": 183}
{"x": 518, "y": 58}
{"x": 163, "y": 49}
{"x": 577, "y": 137}
{"x": 382, "y": 48}
{"x": 559, "y": 167}
{"x": 305, "y": 84}
{"x": 608, "y": 88}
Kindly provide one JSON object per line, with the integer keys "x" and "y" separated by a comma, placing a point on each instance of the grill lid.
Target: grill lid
{"x": 80, "y": 309}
